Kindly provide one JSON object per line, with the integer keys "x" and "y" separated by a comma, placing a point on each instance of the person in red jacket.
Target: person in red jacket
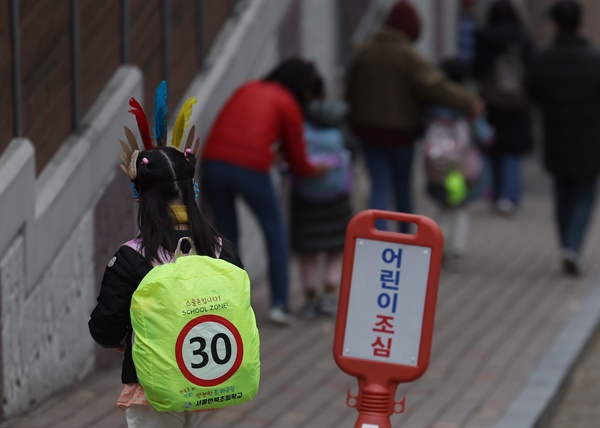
{"x": 238, "y": 155}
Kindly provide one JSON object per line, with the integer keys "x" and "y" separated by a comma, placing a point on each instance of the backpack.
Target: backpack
{"x": 326, "y": 145}
{"x": 447, "y": 147}
{"x": 195, "y": 341}
{"x": 505, "y": 84}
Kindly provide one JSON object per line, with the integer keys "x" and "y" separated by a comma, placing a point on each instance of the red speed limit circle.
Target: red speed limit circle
{"x": 209, "y": 350}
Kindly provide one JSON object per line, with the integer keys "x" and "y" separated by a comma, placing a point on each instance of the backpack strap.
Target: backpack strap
{"x": 136, "y": 245}
{"x": 178, "y": 252}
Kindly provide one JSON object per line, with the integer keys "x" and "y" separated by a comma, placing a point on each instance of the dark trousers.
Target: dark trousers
{"x": 223, "y": 184}
{"x": 574, "y": 204}
{"x": 390, "y": 170}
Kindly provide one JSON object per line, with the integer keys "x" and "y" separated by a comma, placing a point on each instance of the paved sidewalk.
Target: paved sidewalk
{"x": 578, "y": 405}
{"x": 504, "y": 318}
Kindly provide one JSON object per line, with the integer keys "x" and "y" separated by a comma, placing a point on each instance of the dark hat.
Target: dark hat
{"x": 404, "y": 17}
{"x": 567, "y": 14}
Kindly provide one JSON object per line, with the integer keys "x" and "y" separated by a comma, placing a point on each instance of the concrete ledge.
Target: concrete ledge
{"x": 234, "y": 55}
{"x": 17, "y": 176}
{"x": 49, "y": 207}
{"x": 536, "y": 400}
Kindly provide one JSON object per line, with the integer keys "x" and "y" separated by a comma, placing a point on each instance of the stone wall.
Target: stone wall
{"x": 45, "y": 346}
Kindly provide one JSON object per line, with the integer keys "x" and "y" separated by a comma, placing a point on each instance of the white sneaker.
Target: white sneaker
{"x": 278, "y": 316}
{"x": 506, "y": 207}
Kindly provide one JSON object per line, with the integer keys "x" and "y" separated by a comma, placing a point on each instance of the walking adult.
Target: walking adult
{"x": 502, "y": 52}
{"x": 238, "y": 155}
{"x": 388, "y": 80}
{"x": 564, "y": 80}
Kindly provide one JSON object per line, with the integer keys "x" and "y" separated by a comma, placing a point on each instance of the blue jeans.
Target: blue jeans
{"x": 223, "y": 183}
{"x": 506, "y": 177}
{"x": 390, "y": 169}
{"x": 574, "y": 204}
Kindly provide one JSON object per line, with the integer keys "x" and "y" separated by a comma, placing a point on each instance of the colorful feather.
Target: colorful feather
{"x": 160, "y": 113}
{"x": 126, "y": 149}
{"x": 131, "y": 138}
{"x": 142, "y": 122}
{"x": 190, "y": 138}
{"x": 196, "y": 149}
{"x": 182, "y": 122}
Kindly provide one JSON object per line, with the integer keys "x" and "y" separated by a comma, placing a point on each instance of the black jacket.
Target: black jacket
{"x": 109, "y": 323}
{"x": 564, "y": 80}
{"x": 512, "y": 124}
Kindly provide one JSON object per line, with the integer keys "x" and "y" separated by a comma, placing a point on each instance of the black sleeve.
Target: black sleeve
{"x": 483, "y": 57}
{"x": 109, "y": 320}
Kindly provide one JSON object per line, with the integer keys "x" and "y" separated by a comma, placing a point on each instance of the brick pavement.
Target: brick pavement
{"x": 578, "y": 406}
{"x": 499, "y": 311}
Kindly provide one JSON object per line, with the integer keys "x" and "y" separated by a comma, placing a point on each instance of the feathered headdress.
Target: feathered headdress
{"x": 131, "y": 151}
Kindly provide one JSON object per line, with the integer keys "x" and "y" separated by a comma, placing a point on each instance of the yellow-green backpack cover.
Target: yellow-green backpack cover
{"x": 196, "y": 344}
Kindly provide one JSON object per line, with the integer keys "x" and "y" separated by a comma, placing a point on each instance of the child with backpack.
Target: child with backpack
{"x": 183, "y": 322}
{"x": 454, "y": 163}
{"x": 321, "y": 206}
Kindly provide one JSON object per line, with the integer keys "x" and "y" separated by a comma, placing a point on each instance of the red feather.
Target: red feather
{"x": 142, "y": 123}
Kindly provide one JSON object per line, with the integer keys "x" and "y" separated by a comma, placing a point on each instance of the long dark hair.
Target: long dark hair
{"x": 296, "y": 75}
{"x": 165, "y": 175}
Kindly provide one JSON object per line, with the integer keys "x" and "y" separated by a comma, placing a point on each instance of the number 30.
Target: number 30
{"x": 213, "y": 350}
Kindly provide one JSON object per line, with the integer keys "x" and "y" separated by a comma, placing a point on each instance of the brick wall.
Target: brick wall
{"x": 100, "y": 47}
{"x": 215, "y": 13}
{"x": 6, "y": 99}
{"x": 184, "y": 58}
{"x": 46, "y": 51}
{"x": 146, "y": 48}
{"x": 46, "y": 75}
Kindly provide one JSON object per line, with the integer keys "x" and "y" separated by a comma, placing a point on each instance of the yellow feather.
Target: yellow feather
{"x": 182, "y": 122}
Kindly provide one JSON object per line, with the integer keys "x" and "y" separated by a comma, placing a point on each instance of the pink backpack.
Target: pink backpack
{"x": 448, "y": 147}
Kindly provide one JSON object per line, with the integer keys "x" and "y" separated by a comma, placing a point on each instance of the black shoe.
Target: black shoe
{"x": 570, "y": 264}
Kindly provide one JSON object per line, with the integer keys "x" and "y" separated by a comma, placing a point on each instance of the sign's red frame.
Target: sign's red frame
{"x": 428, "y": 234}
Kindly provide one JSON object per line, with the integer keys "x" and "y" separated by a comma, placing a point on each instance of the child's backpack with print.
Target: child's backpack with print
{"x": 326, "y": 146}
{"x": 448, "y": 147}
{"x": 195, "y": 341}
{"x": 504, "y": 87}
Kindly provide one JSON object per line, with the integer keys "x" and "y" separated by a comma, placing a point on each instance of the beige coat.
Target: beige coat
{"x": 388, "y": 81}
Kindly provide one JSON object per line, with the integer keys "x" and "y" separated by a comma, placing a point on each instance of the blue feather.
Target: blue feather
{"x": 160, "y": 113}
